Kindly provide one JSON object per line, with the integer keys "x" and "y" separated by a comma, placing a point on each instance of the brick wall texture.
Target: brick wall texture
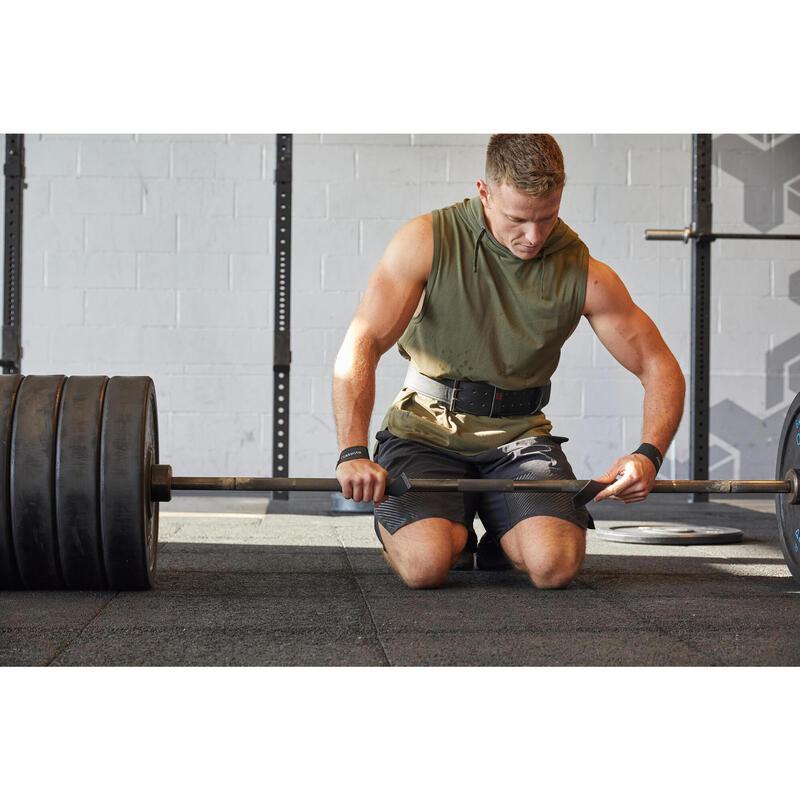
{"x": 154, "y": 255}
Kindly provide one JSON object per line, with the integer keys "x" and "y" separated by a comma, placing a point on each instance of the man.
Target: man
{"x": 480, "y": 297}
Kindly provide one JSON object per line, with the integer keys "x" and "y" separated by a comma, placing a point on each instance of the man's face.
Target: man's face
{"x": 518, "y": 221}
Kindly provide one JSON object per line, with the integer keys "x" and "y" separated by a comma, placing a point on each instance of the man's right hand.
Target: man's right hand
{"x": 362, "y": 480}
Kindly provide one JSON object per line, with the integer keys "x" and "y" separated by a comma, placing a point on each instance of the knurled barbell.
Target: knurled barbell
{"x": 81, "y": 483}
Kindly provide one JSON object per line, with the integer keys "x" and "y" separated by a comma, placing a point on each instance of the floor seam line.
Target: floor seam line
{"x": 364, "y": 600}
{"x": 80, "y": 632}
{"x": 617, "y": 600}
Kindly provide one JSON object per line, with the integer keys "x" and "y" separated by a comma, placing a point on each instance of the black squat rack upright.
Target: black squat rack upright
{"x": 282, "y": 354}
{"x": 14, "y": 171}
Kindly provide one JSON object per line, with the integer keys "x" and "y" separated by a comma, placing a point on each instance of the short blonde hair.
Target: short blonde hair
{"x": 530, "y": 162}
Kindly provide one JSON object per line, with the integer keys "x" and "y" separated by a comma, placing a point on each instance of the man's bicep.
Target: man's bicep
{"x": 385, "y": 310}
{"x": 624, "y": 329}
{"x": 630, "y": 336}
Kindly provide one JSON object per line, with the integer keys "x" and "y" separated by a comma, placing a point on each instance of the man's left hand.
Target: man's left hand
{"x": 633, "y": 478}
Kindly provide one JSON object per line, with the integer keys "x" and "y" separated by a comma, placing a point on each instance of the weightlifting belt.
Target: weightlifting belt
{"x": 481, "y": 399}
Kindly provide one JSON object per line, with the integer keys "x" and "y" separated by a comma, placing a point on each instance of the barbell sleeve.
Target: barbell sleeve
{"x": 663, "y": 235}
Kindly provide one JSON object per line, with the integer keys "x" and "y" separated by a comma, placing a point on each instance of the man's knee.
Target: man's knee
{"x": 555, "y": 573}
{"x": 551, "y": 554}
{"x": 424, "y": 552}
{"x": 424, "y": 576}
{"x": 418, "y": 574}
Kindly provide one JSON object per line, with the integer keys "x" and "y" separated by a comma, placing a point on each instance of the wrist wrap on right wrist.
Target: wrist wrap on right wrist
{"x": 652, "y": 452}
{"x": 352, "y": 453}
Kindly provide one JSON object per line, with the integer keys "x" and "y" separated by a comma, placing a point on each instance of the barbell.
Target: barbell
{"x": 81, "y": 483}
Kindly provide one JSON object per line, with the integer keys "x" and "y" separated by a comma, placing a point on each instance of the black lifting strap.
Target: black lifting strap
{"x": 588, "y": 492}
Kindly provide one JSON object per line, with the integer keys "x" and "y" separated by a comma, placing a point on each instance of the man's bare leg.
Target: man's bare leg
{"x": 549, "y": 549}
{"x": 422, "y": 552}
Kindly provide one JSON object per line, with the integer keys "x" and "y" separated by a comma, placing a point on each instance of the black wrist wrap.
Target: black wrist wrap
{"x": 652, "y": 452}
{"x": 352, "y": 453}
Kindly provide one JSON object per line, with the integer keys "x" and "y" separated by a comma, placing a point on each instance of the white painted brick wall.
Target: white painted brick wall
{"x": 185, "y": 196}
{"x": 317, "y": 162}
{"x": 126, "y": 234}
{"x": 207, "y": 308}
{"x": 124, "y": 159}
{"x": 48, "y": 234}
{"x": 148, "y": 307}
{"x": 153, "y": 254}
{"x": 221, "y": 235}
{"x": 177, "y": 270}
{"x": 95, "y": 196}
{"x": 372, "y": 200}
{"x": 107, "y": 270}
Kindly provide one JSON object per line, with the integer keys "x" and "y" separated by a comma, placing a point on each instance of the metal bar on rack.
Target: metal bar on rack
{"x": 685, "y": 234}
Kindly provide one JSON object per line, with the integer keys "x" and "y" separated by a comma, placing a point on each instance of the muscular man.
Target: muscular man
{"x": 480, "y": 297}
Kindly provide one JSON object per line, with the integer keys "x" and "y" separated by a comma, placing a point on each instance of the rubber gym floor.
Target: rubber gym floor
{"x": 300, "y": 586}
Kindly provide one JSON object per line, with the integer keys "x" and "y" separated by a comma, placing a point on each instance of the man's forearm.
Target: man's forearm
{"x": 664, "y": 392}
{"x": 354, "y": 391}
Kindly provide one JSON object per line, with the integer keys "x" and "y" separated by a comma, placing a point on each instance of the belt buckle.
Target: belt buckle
{"x": 452, "y": 405}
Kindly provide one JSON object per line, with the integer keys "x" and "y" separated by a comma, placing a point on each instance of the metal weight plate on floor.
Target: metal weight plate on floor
{"x": 665, "y": 533}
{"x": 128, "y": 516}
{"x": 9, "y": 575}
{"x": 33, "y": 466}
{"x": 78, "y": 483}
{"x": 788, "y": 514}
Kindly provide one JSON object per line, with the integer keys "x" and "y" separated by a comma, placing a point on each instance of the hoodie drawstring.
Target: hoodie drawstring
{"x": 475, "y": 252}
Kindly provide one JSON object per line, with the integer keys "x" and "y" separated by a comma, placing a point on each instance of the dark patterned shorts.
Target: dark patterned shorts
{"x": 533, "y": 458}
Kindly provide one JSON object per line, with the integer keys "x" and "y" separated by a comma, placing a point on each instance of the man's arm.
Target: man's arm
{"x": 391, "y": 297}
{"x": 633, "y": 339}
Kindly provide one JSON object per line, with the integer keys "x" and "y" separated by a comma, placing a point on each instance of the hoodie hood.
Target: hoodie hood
{"x": 471, "y": 211}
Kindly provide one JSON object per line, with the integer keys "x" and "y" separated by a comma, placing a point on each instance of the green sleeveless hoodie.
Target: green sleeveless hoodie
{"x": 488, "y": 316}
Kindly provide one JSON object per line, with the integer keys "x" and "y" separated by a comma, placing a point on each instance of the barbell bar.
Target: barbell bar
{"x": 162, "y": 487}
{"x": 81, "y": 483}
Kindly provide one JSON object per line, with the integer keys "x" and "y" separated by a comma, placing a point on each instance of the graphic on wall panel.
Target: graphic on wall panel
{"x": 769, "y": 167}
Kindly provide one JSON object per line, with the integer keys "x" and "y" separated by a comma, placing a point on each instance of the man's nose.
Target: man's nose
{"x": 533, "y": 234}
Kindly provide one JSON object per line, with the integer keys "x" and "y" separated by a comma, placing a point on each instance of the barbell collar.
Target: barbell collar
{"x": 161, "y": 483}
{"x": 793, "y": 480}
